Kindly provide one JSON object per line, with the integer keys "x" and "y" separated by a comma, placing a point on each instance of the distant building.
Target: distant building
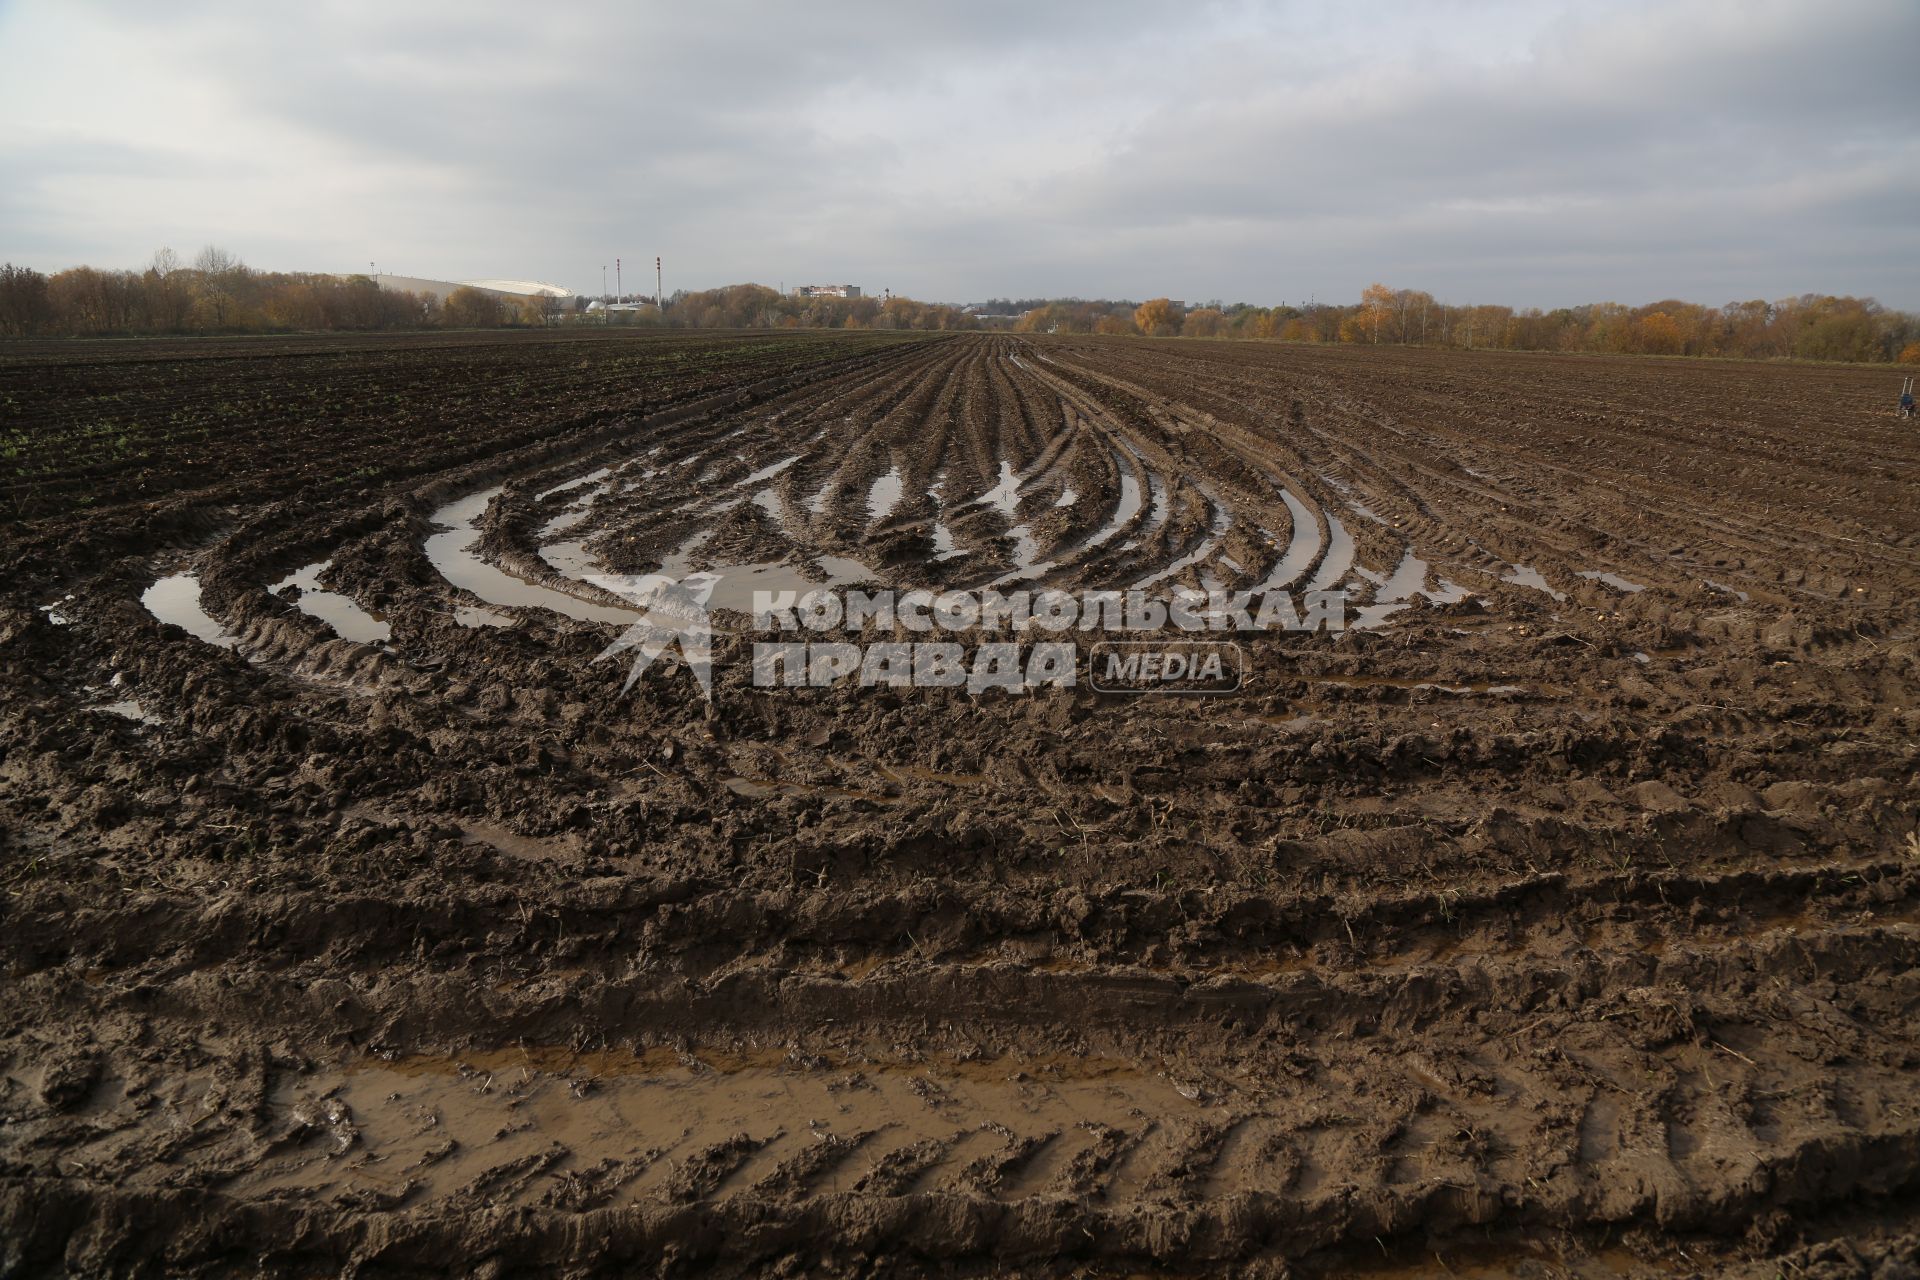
{"x": 620, "y": 312}
{"x": 521, "y": 288}
{"x": 514, "y": 290}
{"x": 827, "y": 291}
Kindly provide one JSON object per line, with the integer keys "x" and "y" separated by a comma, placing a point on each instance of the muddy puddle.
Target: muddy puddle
{"x": 1613, "y": 580}
{"x": 453, "y": 553}
{"x": 473, "y": 615}
{"x": 571, "y": 559}
{"x": 945, "y": 547}
{"x": 1026, "y": 557}
{"x": 1527, "y": 576}
{"x": 736, "y": 585}
{"x": 771, "y": 470}
{"x": 1217, "y": 526}
{"x": 884, "y": 496}
{"x": 347, "y": 618}
{"x": 606, "y": 1129}
{"x": 175, "y": 599}
{"x": 1125, "y": 508}
{"x": 769, "y": 501}
{"x": 1396, "y": 591}
{"x": 1339, "y": 558}
{"x": 591, "y": 477}
{"x": 127, "y": 709}
{"x": 1303, "y": 545}
{"x": 1004, "y": 497}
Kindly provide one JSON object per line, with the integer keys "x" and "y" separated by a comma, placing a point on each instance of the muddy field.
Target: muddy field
{"x": 1559, "y": 919}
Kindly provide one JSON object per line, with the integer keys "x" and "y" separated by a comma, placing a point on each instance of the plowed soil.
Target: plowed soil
{"x": 1561, "y": 919}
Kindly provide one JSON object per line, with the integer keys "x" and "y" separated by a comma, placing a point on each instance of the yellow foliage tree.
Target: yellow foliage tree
{"x": 1376, "y": 301}
{"x": 1154, "y": 316}
{"x": 469, "y": 308}
{"x": 1206, "y": 322}
{"x": 1910, "y": 354}
{"x": 1658, "y": 335}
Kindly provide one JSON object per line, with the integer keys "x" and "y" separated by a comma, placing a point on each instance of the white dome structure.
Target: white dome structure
{"x": 442, "y": 289}
{"x": 524, "y": 288}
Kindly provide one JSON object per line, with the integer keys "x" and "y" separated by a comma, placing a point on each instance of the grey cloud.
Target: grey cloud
{"x": 1261, "y": 151}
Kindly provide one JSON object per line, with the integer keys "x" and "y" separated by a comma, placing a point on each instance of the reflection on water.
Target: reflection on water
{"x": 348, "y": 620}
{"x": 176, "y": 599}
{"x": 884, "y": 496}
{"x": 453, "y": 553}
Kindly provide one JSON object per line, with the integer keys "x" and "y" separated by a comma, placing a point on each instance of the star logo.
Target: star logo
{"x": 673, "y": 614}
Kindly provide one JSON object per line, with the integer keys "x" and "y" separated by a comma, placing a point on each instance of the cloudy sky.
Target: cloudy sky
{"x": 1536, "y": 153}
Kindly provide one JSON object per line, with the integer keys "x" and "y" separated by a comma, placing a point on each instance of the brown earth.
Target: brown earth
{"x": 1552, "y": 924}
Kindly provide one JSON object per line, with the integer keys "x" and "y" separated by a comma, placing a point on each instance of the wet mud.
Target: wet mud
{"x": 1562, "y": 919}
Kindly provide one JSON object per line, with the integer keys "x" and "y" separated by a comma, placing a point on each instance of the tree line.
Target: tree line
{"x": 215, "y": 293}
{"x": 218, "y": 293}
{"x": 1809, "y": 327}
{"x": 754, "y": 306}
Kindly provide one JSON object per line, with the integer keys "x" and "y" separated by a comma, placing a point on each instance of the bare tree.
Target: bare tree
{"x": 220, "y": 274}
{"x": 169, "y": 295}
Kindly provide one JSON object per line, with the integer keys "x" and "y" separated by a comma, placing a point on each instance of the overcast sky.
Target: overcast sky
{"x": 1534, "y": 153}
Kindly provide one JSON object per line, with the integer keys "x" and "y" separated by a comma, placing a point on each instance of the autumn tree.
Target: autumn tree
{"x": 1034, "y": 320}
{"x": 1376, "y": 302}
{"x": 87, "y": 301}
{"x": 1830, "y": 328}
{"x": 1657, "y": 335}
{"x": 540, "y": 309}
{"x": 1204, "y": 322}
{"x": 1156, "y": 318}
{"x": 471, "y": 308}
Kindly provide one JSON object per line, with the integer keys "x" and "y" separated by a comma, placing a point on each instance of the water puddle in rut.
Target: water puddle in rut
{"x": 1339, "y": 558}
{"x": 341, "y": 612}
{"x": 1613, "y": 580}
{"x": 884, "y": 496}
{"x": 1528, "y": 576}
{"x": 1303, "y": 545}
{"x": 452, "y": 552}
{"x": 176, "y": 599}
